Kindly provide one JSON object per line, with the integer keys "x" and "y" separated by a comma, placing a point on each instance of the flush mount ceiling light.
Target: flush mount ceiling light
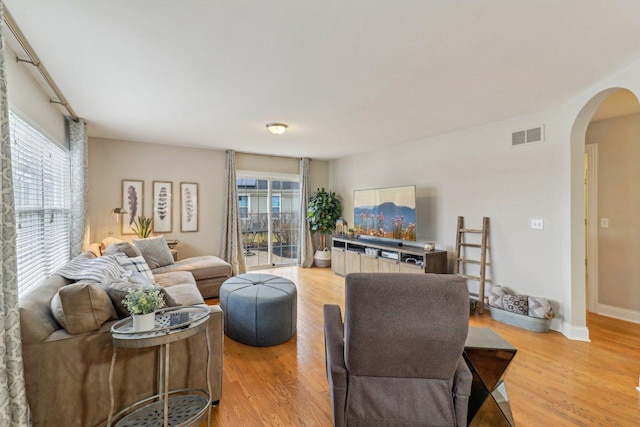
{"x": 277, "y": 128}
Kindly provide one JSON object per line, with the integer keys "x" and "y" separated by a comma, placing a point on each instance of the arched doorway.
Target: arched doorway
{"x": 613, "y": 231}
{"x": 576, "y": 312}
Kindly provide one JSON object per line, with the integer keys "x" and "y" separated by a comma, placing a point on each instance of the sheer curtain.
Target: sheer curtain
{"x": 78, "y": 142}
{"x": 13, "y": 401}
{"x": 305, "y": 255}
{"x": 232, "y": 250}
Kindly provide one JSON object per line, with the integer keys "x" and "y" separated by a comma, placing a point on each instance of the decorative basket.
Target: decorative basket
{"x": 520, "y": 320}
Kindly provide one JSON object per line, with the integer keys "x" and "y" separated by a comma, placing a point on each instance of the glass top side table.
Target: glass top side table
{"x": 184, "y": 407}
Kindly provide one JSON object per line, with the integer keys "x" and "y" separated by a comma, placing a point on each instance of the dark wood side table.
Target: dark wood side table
{"x": 488, "y": 356}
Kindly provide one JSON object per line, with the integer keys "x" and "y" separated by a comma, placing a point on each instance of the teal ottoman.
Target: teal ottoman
{"x": 259, "y": 309}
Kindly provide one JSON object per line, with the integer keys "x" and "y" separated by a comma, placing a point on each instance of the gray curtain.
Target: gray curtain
{"x": 305, "y": 255}
{"x": 232, "y": 249}
{"x": 13, "y": 400}
{"x": 78, "y": 146}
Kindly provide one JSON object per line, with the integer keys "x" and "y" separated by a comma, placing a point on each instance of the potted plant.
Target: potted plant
{"x": 142, "y": 303}
{"x": 142, "y": 226}
{"x": 323, "y": 211}
{"x": 351, "y": 233}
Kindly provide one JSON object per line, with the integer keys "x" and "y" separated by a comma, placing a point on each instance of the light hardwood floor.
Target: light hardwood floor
{"x": 552, "y": 381}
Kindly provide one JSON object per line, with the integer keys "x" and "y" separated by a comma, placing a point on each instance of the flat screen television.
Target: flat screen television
{"x": 386, "y": 212}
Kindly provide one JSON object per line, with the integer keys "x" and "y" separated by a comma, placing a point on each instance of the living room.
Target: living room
{"x": 462, "y": 162}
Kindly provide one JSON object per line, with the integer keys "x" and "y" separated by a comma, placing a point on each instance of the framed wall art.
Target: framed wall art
{"x": 162, "y": 206}
{"x": 188, "y": 206}
{"x": 132, "y": 202}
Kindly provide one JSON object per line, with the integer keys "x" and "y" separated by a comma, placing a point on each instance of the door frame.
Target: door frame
{"x": 591, "y": 183}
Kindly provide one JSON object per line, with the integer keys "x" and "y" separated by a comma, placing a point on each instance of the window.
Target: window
{"x": 275, "y": 204}
{"x": 243, "y": 205}
{"x": 41, "y": 187}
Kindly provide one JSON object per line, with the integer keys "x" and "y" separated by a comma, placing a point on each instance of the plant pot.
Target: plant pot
{"x": 322, "y": 258}
{"x": 144, "y": 322}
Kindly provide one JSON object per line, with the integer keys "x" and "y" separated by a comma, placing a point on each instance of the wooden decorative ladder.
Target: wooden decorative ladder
{"x": 462, "y": 260}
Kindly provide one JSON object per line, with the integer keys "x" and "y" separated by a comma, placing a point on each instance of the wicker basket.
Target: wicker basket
{"x": 526, "y": 322}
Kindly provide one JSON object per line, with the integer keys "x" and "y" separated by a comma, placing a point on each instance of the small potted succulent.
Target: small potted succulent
{"x": 142, "y": 303}
{"x": 351, "y": 233}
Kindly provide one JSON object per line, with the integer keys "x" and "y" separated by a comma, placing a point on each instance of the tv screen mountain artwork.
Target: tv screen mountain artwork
{"x": 386, "y": 212}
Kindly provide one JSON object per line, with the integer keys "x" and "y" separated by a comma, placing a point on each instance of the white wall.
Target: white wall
{"x": 112, "y": 161}
{"x": 476, "y": 173}
{"x": 30, "y": 102}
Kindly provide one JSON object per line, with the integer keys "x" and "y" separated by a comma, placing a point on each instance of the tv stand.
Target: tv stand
{"x": 352, "y": 255}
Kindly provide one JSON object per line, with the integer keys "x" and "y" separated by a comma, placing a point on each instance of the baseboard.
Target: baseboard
{"x": 576, "y": 333}
{"x": 619, "y": 313}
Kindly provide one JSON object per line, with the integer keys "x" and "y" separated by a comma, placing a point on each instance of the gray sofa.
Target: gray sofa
{"x": 67, "y": 373}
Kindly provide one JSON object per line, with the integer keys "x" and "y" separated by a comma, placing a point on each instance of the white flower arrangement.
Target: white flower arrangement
{"x": 143, "y": 300}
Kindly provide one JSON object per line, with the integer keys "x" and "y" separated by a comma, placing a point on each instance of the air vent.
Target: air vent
{"x": 527, "y": 136}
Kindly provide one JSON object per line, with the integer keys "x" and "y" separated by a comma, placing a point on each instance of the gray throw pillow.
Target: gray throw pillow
{"x": 155, "y": 251}
{"x": 516, "y": 304}
{"x": 123, "y": 248}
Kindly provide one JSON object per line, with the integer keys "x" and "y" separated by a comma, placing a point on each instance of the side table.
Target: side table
{"x": 488, "y": 356}
{"x": 184, "y": 407}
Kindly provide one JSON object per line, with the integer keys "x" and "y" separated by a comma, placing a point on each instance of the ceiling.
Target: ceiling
{"x": 347, "y": 76}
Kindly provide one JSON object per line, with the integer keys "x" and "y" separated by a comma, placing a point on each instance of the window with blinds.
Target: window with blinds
{"x": 41, "y": 186}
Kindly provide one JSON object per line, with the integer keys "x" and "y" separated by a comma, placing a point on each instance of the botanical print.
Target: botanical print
{"x": 188, "y": 206}
{"x": 132, "y": 198}
{"x": 162, "y": 206}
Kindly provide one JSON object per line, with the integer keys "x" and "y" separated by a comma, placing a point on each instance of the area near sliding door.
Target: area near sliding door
{"x": 269, "y": 207}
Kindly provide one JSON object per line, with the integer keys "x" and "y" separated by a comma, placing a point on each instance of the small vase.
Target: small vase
{"x": 144, "y": 322}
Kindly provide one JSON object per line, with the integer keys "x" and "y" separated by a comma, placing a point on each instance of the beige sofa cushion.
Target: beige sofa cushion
{"x": 202, "y": 267}
{"x": 82, "y": 307}
{"x": 180, "y": 286}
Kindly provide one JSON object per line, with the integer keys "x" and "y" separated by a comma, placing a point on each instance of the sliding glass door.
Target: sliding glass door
{"x": 270, "y": 217}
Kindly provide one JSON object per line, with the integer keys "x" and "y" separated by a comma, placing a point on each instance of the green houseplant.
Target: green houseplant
{"x": 323, "y": 211}
{"x": 142, "y": 226}
{"x": 142, "y": 304}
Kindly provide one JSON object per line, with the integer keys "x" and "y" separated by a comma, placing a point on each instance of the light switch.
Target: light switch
{"x": 604, "y": 222}
{"x": 537, "y": 223}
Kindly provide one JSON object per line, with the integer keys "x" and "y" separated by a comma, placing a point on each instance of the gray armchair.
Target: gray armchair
{"x": 397, "y": 359}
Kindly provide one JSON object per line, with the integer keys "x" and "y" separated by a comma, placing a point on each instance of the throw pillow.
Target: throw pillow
{"x": 108, "y": 241}
{"x": 82, "y": 307}
{"x": 495, "y": 295}
{"x": 95, "y": 269}
{"x": 137, "y": 265}
{"x": 155, "y": 250}
{"x": 125, "y": 248}
{"x": 540, "y": 308}
{"x": 117, "y": 289}
{"x": 516, "y": 303}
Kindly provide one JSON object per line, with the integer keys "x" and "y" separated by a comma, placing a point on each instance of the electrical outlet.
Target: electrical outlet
{"x": 604, "y": 222}
{"x": 537, "y": 223}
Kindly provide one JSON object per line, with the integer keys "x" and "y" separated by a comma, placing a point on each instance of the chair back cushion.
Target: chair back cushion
{"x": 405, "y": 325}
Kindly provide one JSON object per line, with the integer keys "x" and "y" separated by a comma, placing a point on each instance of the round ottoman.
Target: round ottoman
{"x": 259, "y": 309}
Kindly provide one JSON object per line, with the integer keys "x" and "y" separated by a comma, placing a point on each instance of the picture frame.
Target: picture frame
{"x": 189, "y": 218}
{"x": 132, "y": 202}
{"x": 162, "y": 206}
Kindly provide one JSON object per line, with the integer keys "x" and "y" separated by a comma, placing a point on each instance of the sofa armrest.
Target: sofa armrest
{"x": 461, "y": 391}
{"x": 334, "y": 353}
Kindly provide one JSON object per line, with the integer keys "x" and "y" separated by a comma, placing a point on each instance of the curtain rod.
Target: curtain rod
{"x": 271, "y": 155}
{"x": 35, "y": 61}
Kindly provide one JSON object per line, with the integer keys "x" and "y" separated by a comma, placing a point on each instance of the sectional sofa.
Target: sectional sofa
{"x": 67, "y": 348}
